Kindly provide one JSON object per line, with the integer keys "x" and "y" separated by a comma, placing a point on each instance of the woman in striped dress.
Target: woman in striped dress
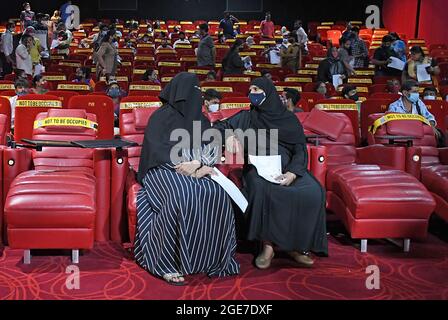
{"x": 185, "y": 221}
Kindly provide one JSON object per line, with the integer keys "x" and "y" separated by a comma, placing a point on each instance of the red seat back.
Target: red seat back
{"x": 63, "y": 96}
{"x": 64, "y": 158}
{"x": 5, "y": 109}
{"x": 231, "y": 106}
{"x": 80, "y": 88}
{"x": 27, "y": 108}
{"x": 341, "y": 147}
{"x": 371, "y": 106}
{"x": 102, "y": 107}
{"x": 132, "y": 128}
{"x": 144, "y": 88}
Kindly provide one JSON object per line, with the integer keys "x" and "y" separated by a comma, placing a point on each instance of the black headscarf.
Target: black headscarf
{"x": 182, "y": 100}
{"x": 272, "y": 114}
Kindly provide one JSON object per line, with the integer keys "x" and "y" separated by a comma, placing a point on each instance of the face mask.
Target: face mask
{"x": 23, "y": 93}
{"x": 257, "y": 98}
{"x": 430, "y": 98}
{"x": 322, "y": 90}
{"x": 354, "y": 97}
{"x": 414, "y": 97}
{"x": 213, "y": 107}
{"x": 114, "y": 93}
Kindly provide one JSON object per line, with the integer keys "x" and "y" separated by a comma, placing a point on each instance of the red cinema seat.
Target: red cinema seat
{"x": 63, "y": 96}
{"x": 385, "y": 95}
{"x": 55, "y": 78}
{"x": 137, "y": 102}
{"x": 439, "y": 109}
{"x": 365, "y": 185}
{"x": 333, "y": 36}
{"x": 79, "y": 88}
{"x": 348, "y": 107}
{"x": 231, "y": 106}
{"x": 434, "y": 161}
{"x": 220, "y": 86}
{"x": 371, "y": 106}
{"x": 144, "y": 88}
{"x": 5, "y": 109}
{"x": 311, "y": 98}
{"x": 102, "y": 107}
{"x": 27, "y": 108}
{"x": 58, "y": 198}
{"x": 6, "y": 85}
{"x": 133, "y": 125}
{"x": 4, "y": 130}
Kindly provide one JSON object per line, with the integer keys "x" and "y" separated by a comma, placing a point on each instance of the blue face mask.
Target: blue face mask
{"x": 114, "y": 93}
{"x": 257, "y": 98}
{"x": 414, "y": 97}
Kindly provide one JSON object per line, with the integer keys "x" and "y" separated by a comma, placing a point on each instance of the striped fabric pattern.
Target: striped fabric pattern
{"x": 185, "y": 225}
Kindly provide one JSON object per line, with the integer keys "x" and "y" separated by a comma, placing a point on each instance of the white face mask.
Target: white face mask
{"x": 430, "y": 98}
{"x": 213, "y": 107}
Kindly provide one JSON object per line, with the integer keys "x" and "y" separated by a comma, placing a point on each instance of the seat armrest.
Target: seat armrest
{"x": 119, "y": 174}
{"x": 133, "y": 188}
{"x": 393, "y": 140}
{"x": 15, "y": 162}
{"x": 443, "y": 155}
{"x": 101, "y": 158}
{"x": 390, "y": 157}
{"x": 318, "y": 163}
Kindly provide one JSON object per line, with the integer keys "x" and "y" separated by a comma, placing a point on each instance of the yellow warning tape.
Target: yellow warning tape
{"x": 394, "y": 117}
{"x": 66, "y": 121}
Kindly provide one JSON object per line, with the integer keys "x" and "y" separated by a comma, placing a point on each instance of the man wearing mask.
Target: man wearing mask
{"x": 393, "y": 86}
{"x": 212, "y": 100}
{"x": 27, "y": 16}
{"x": 23, "y": 56}
{"x": 41, "y": 33}
{"x": 321, "y": 88}
{"x": 21, "y": 87}
{"x": 410, "y": 103}
{"x": 267, "y": 27}
{"x": 226, "y": 25}
{"x": 7, "y": 49}
{"x": 290, "y": 56}
{"x": 290, "y": 98}
{"x": 430, "y": 93}
{"x": 115, "y": 93}
{"x": 381, "y": 58}
{"x": 350, "y": 92}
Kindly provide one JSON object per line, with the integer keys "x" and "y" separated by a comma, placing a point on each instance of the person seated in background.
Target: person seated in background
{"x": 151, "y": 76}
{"x": 212, "y": 100}
{"x": 21, "y": 87}
{"x": 321, "y": 88}
{"x": 418, "y": 58}
{"x": 382, "y": 57}
{"x": 430, "y": 93}
{"x": 410, "y": 103}
{"x": 176, "y": 30}
{"x": 145, "y": 39}
{"x": 345, "y": 54}
{"x": 290, "y": 98}
{"x": 211, "y": 76}
{"x": 393, "y": 86}
{"x": 290, "y": 56}
{"x": 164, "y": 44}
{"x": 350, "y": 92}
{"x": 182, "y": 40}
{"x": 65, "y": 38}
{"x": 40, "y": 85}
{"x": 232, "y": 62}
{"x": 115, "y": 92}
{"x": 249, "y": 42}
{"x": 83, "y": 76}
{"x": 331, "y": 66}
{"x": 398, "y": 46}
{"x": 265, "y": 73}
{"x": 267, "y": 27}
{"x": 221, "y": 39}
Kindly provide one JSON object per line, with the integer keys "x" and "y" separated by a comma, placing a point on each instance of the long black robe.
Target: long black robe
{"x": 292, "y": 217}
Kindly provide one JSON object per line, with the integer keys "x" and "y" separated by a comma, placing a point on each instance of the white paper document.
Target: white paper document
{"x": 422, "y": 74}
{"x": 396, "y": 64}
{"x": 274, "y": 57}
{"x": 268, "y": 167}
{"x": 337, "y": 80}
{"x": 231, "y": 189}
{"x": 54, "y": 44}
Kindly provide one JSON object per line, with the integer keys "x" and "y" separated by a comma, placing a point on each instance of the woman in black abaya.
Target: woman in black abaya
{"x": 291, "y": 215}
{"x": 185, "y": 221}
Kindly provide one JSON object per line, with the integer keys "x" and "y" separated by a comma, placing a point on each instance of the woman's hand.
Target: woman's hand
{"x": 188, "y": 168}
{"x": 286, "y": 179}
{"x": 232, "y": 144}
{"x": 204, "y": 171}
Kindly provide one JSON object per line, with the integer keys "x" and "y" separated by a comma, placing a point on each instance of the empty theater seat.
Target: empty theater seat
{"x": 58, "y": 198}
{"x": 434, "y": 162}
{"x": 365, "y": 186}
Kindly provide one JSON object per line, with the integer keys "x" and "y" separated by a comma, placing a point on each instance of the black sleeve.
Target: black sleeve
{"x": 322, "y": 72}
{"x": 238, "y": 121}
{"x": 434, "y": 62}
{"x": 378, "y": 55}
{"x": 237, "y": 61}
{"x": 299, "y": 160}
